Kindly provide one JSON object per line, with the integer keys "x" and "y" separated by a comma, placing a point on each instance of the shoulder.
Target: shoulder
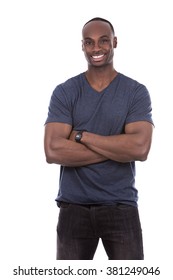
{"x": 72, "y": 83}
{"x": 68, "y": 91}
{"x": 130, "y": 81}
{"x": 133, "y": 87}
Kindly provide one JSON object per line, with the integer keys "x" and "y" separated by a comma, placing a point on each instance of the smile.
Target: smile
{"x": 97, "y": 57}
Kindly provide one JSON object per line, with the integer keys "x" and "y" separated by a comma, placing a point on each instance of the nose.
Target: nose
{"x": 96, "y": 46}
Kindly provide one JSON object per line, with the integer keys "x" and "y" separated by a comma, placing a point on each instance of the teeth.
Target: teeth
{"x": 97, "y": 56}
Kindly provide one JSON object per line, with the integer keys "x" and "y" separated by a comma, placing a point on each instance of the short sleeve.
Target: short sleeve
{"x": 140, "y": 107}
{"x": 59, "y": 109}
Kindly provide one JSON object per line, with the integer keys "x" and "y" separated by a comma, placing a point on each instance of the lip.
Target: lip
{"x": 97, "y": 58}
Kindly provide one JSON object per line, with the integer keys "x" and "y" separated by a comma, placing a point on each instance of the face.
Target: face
{"x": 98, "y": 43}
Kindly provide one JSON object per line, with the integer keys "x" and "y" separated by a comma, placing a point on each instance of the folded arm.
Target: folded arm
{"x": 60, "y": 149}
{"x": 134, "y": 145}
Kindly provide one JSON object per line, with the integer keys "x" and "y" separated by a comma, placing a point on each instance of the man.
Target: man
{"x": 99, "y": 123}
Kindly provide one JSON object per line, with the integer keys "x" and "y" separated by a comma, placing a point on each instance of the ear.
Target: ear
{"x": 115, "y": 42}
{"x": 82, "y": 46}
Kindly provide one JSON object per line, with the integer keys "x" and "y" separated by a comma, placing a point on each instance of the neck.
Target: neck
{"x": 99, "y": 77}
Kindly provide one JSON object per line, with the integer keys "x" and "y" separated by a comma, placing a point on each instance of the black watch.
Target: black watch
{"x": 78, "y": 136}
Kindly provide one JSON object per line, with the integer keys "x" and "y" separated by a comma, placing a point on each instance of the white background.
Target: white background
{"x": 40, "y": 47}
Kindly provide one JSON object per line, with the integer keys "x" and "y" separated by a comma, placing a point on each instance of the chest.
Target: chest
{"x": 103, "y": 113}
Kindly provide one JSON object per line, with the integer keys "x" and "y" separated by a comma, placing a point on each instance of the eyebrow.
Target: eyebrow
{"x": 92, "y": 39}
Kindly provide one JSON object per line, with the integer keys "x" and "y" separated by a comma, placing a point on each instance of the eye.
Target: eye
{"x": 104, "y": 41}
{"x": 88, "y": 43}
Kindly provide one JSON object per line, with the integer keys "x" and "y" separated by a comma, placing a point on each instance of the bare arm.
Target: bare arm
{"x": 62, "y": 150}
{"x": 132, "y": 146}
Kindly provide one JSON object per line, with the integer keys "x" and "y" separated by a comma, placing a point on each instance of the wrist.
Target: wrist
{"x": 79, "y": 136}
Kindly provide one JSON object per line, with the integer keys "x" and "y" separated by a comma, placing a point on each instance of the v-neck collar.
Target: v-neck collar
{"x": 94, "y": 90}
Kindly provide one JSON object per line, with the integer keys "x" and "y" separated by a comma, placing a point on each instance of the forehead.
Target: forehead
{"x": 96, "y": 29}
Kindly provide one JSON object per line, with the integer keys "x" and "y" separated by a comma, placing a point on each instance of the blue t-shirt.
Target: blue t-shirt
{"x": 76, "y": 103}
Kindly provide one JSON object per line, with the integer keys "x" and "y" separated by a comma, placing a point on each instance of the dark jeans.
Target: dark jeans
{"x": 80, "y": 227}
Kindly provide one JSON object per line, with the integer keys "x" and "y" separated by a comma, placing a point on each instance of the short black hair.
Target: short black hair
{"x": 101, "y": 19}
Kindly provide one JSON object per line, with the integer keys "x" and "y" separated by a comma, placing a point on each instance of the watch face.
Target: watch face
{"x": 78, "y": 137}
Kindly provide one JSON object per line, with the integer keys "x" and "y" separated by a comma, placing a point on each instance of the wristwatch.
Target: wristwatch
{"x": 78, "y": 136}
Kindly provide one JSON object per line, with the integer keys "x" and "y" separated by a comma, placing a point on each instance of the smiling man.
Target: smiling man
{"x": 99, "y": 123}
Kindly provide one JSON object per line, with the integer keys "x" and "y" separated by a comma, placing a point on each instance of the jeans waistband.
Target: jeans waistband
{"x": 66, "y": 204}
